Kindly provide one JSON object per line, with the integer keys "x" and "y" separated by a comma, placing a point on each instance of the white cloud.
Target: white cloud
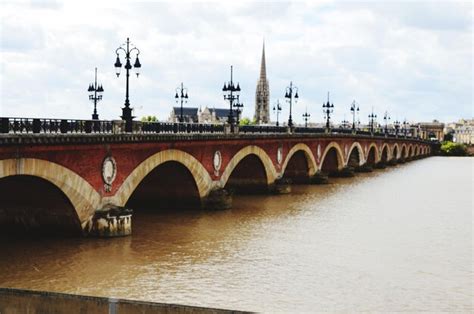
{"x": 413, "y": 59}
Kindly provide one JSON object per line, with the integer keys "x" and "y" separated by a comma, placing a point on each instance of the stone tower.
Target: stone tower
{"x": 262, "y": 94}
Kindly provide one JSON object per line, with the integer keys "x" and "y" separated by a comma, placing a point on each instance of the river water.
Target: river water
{"x": 398, "y": 239}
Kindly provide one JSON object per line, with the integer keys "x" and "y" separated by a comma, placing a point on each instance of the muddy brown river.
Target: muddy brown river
{"x": 399, "y": 239}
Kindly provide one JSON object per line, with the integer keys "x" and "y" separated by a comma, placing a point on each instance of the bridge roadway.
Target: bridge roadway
{"x": 85, "y": 183}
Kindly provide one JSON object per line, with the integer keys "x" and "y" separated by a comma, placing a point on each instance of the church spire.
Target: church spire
{"x": 263, "y": 67}
{"x": 262, "y": 94}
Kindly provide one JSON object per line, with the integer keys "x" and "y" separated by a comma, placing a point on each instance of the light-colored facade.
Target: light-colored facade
{"x": 198, "y": 115}
{"x": 262, "y": 95}
{"x": 429, "y": 130}
{"x": 463, "y": 131}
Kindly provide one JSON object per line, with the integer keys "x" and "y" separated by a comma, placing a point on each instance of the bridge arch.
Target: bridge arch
{"x": 355, "y": 157}
{"x": 410, "y": 151}
{"x": 247, "y": 151}
{"x": 83, "y": 198}
{"x": 416, "y": 153}
{"x": 373, "y": 156}
{"x": 385, "y": 153}
{"x": 300, "y": 151}
{"x": 332, "y": 159}
{"x": 201, "y": 177}
{"x": 395, "y": 152}
{"x": 403, "y": 152}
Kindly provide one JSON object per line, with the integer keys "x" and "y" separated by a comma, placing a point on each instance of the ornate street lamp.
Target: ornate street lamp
{"x": 231, "y": 93}
{"x": 127, "y": 111}
{"x": 277, "y": 109}
{"x": 238, "y": 110}
{"x": 96, "y": 96}
{"x": 354, "y": 110}
{"x": 386, "y": 119}
{"x": 291, "y": 92}
{"x": 306, "y": 116}
{"x": 396, "y": 124}
{"x": 328, "y": 108}
{"x": 405, "y": 127}
{"x": 372, "y": 118}
{"x": 181, "y": 95}
{"x": 345, "y": 124}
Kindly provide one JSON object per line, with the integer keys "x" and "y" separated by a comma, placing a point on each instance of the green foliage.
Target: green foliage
{"x": 247, "y": 121}
{"x": 149, "y": 119}
{"x": 453, "y": 149}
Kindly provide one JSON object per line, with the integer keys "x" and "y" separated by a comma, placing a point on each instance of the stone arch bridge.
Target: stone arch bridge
{"x": 82, "y": 182}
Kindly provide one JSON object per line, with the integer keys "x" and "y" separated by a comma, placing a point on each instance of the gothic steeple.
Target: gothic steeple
{"x": 263, "y": 67}
{"x": 262, "y": 94}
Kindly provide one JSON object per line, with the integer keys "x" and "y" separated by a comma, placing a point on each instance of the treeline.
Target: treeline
{"x": 449, "y": 148}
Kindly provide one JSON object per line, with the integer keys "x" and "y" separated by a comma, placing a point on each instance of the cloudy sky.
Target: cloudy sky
{"x": 413, "y": 59}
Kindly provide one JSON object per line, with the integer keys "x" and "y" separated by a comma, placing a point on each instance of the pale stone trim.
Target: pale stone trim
{"x": 311, "y": 162}
{"x": 361, "y": 153}
{"x": 377, "y": 155}
{"x": 244, "y": 152}
{"x": 389, "y": 152}
{"x": 201, "y": 177}
{"x": 401, "y": 151}
{"x": 398, "y": 151}
{"x": 340, "y": 155}
{"x": 83, "y": 197}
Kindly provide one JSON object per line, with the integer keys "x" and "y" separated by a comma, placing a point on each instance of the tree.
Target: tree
{"x": 245, "y": 121}
{"x": 149, "y": 119}
{"x": 453, "y": 149}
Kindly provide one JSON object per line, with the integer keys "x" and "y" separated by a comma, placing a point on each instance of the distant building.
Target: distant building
{"x": 190, "y": 114}
{"x": 213, "y": 115}
{"x": 198, "y": 115}
{"x": 462, "y": 131}
{"x": 262, "y": 95}
{"x": 429, "y": 130}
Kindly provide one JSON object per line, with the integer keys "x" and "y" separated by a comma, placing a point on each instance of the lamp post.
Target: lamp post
{"x": 372, "y": 118}
{"x": 182, "y": 96}
{"x": 345, "y": 124}
{"x": 396, "y": 124}
{"x": 306, "y": 116}
{"x": 386, "y": 119}
{"x": 231, "y": 93}
{"x": 291, "y": 92}
{"x": 127, "y": 111}
{"x": 328, "y": 108}
{"x": 405, "y": 124}
{"x": 354, "y": 110}
{"x": 277, "y": 109}
{"x": 238, "y": 110}
{"x": 96, "y": 96}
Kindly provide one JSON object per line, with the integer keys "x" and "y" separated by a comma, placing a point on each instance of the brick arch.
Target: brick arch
{"x": 83, "y": 197}
{"x": 395, "y": 156}
{"x": 312, "y": 166}
{"x": 361, "y": 153}
{"x": 244, "y": 152}
{"x": 201, "y": 176}
{"x": 403, "y": 149}
{"x": 389, "y": 152}
{"x": 410, "y": 150}
{"x": 377, "y": 154}
{"x": 340, "y": 155}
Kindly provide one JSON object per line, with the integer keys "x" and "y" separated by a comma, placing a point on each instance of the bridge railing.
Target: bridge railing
{"x": 173, "y": 128}
{"x": 71, "y": 126}
{"x": 262, "y": 129}
{"x": 36, "y": 125}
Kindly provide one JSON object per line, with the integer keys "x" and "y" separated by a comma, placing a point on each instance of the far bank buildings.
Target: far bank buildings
{"x": 219, "y": 115}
